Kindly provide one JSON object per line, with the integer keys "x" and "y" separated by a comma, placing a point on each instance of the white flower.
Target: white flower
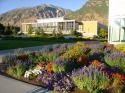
{"x": 35, "y": 71}
{"x": 28, "y": 73}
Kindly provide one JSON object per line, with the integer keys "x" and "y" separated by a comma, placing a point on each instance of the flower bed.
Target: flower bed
{"x": 75, "y": 68}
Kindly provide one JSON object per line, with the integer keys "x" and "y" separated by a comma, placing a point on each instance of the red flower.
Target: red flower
{"x": 49, "y": 67}
{"x": 119, "y": 76}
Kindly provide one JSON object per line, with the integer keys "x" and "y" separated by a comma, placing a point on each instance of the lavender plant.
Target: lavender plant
{"x": 91, "y": 78}
{"x": 58, "y": 81}
{"x": 116, "y": 59}
{"x": 61, "y": 64}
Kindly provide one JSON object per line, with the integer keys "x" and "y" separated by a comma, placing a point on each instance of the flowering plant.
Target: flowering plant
{"x": 92, "y": 78}
{"x": 118, "y": 76}
{"x": 34, "y": 72}
{"x": 116, "y": 59}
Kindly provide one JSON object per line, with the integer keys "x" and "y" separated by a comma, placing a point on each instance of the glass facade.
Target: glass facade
{"x": 117, "y": 30}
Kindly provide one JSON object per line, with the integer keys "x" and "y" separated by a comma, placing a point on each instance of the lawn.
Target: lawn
{"x": 12, "y": 43}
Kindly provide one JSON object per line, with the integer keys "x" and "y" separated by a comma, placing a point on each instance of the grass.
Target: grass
{"x": 13, "y": 43}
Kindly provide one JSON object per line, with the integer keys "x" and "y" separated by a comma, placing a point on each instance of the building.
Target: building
{"x": 52, "y": 24}
{"x": 116, "y": 33}
{"x": 89, "y": 29}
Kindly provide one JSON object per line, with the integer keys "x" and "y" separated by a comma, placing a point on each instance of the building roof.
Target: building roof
{"x": 56, "y": 19}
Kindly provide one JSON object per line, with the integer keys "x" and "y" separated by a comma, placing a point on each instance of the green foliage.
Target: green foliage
{"x": 37, "y": 33}
{"x": 118, "y": 86}
{"x": 103, "y": 33}
{"x": 8, "y": 30}
{"x": 60, "y": 34}
{"x": 17, "y": 71}
{"x": 95, "y": 81}
{"x": 42, "y": 33}
{"x": 30, "y": 30}
{"x": 120, "y": 47}
{"x": 57, "y": 68}
{"x": 20, "y": 70}
{"x": 46, "y": 57}
{"x": 75, "y": 51}
{"x": 116, "y": 59}
{"x": 54, "y": 33}
{"x": 1, "y": 28}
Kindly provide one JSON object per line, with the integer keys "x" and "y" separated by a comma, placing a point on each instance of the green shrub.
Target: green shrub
{"x": 63, "y": 64}
{"x": 17, "y": 70}
{"x": 57, "y": 68}
{"x": 116, "y": 59}
{"x": 103, "y": 33}
{"x": 120, "y": 47}
{"x": 77, "y": 50}
{"x": 20, "y": 70}
{"x": 118, "y": 86}
{"x": 91, "y": 78}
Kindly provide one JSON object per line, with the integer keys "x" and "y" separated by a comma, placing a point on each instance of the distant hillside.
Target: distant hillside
{"x": 16, "y": 16}
{"x": 92, "y": 10}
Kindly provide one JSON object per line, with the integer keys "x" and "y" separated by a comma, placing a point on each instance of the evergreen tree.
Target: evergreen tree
{"x": 30, "y": 30}
{"x": 7, "y": 30}
{"x": 42, "y": 33}
{"x": 2, "y": 27}
{"x": 37, "y": 31}
{"x": 54, "y": 33}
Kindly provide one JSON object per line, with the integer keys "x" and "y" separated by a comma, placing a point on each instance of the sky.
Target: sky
{"x": 6, "y": 5}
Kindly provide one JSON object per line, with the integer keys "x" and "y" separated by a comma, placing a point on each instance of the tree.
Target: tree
{"x": 73, "y": 32}
{"x": 14, "y": 30}
{"x": 103, "y": 33}
{"x": 7, "y": 30}
{"x": 37, "y": 32}
{"x": 30, "y": 30}
{"x": 42, "y": 33}
{"x": 2, "y": 27}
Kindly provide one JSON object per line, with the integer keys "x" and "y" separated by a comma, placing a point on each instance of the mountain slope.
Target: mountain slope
{"x": 16, "y": 16}
{"x": 92, "y": 10}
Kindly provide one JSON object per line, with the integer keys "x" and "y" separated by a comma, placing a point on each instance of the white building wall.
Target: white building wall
{"x": 116, "y": 8}
{"x": 116, "y": 21}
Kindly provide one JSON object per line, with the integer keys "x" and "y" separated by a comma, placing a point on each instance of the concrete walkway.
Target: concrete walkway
{"x": 8, "y": 85}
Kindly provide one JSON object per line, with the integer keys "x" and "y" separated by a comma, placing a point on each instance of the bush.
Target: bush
{"x": 77, "y": 50}
{"x": 17, "y": 70}
{"x": 62, "y": 64}
{"x": 116, "y": 59}
{"x": 103, "y": 33}
{"x": 91, "y": 78}
{"x": 120, "y": 47}
{"x": 118, "y": 86}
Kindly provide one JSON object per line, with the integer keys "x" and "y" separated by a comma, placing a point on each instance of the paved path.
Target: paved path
{"x": 8, "y": 85}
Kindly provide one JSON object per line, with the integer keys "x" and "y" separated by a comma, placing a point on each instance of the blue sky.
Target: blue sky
{"x": 6, "y": 5}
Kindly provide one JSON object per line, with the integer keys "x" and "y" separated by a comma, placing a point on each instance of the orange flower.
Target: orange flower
{"x": 40, "y": 65}
{"x": 49, "y": 67}
{"x": 96, "y": 63}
